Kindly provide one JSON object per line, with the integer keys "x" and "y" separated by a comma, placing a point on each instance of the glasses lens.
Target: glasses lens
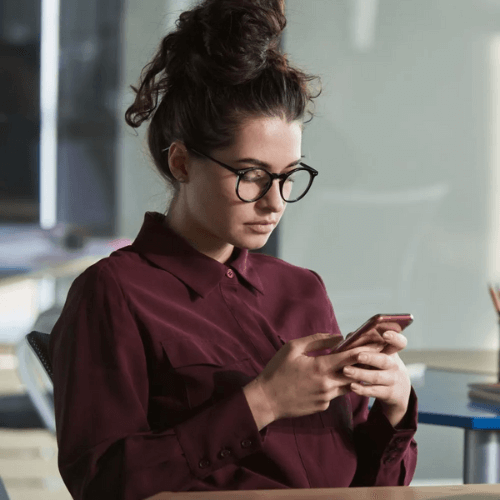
{"x": 253, "y": 184}
{"x": 296, "y": 185}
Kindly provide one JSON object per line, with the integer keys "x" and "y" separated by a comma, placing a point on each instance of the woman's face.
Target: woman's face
{"x": 207, "y": 211}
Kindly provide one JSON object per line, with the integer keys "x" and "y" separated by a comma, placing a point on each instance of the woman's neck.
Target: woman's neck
{"x": 198, "y": 237}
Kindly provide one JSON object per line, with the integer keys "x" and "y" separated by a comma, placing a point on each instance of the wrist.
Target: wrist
{"x": 259, "y": 404}
{"x": 394, "y": 413}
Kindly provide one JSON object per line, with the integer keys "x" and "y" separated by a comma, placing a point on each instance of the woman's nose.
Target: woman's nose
{"x": 272, "y": 199}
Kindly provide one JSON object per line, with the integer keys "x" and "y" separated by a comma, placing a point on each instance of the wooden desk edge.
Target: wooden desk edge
{"x": 367, "y": 493}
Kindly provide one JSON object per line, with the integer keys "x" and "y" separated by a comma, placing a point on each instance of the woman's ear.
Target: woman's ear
{"x": 178, "y": 161}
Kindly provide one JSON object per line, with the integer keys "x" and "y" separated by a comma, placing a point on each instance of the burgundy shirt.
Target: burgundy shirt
{"x": 150, "y": 355}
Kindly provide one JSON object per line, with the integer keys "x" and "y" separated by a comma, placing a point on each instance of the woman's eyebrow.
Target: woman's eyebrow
{"x": 259, "y": 163}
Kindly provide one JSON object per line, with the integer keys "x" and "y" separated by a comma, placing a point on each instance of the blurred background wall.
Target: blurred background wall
{"x": 139, "y": 187}
{"x": 405, "y": 212}
{"x": 19, "y": 110}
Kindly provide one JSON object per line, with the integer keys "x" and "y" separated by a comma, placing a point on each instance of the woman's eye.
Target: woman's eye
{"x": 254, "y": 176}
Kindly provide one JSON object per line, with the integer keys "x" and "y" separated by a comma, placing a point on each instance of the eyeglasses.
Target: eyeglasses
{"x": 253, "y": 183}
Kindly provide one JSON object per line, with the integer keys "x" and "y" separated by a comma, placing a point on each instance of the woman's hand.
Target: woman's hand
{"x": 389, "y": 383}
{"x": 294, "y": 383}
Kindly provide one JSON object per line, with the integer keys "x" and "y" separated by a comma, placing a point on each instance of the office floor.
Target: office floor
{"x": 28, "y": 457}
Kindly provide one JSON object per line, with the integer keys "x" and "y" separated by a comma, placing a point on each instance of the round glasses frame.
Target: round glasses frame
{"x": 281, "y": 177}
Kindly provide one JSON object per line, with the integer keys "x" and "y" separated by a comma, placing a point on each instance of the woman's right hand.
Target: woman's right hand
{"x": 294, "y": 383}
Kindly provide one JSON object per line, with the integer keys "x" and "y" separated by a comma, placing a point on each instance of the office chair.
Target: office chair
{"x": 39, "y": 342}
{"x": 3, "y": 492}
{"x": 32, "y": 353}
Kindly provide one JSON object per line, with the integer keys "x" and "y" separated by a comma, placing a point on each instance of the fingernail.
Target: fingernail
{"x": 362, "y": 357}
{"x": 387, "y": 335}
{"x": 348, "y": 369}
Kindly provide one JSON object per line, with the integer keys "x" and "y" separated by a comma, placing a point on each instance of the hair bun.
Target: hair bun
{"x": 219, "y": 67}
{"x": 231, "y": 41}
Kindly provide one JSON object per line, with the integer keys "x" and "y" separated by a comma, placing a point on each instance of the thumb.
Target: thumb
{"x": 321, "y": 342}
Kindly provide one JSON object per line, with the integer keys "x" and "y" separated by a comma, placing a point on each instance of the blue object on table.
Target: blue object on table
{"x": 6, "y": 272}
{"x": 443, "y": 400}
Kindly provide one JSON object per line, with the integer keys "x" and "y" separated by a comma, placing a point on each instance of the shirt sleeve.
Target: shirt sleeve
{"x": 107, "y": 449}
{"x": 334, "y": 326}
{"x": 387, "y": 456}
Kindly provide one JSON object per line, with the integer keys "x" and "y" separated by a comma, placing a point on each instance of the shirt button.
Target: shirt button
{"x": 225, "y": 453}
{"x": 246, "y": 443}
{"x": 204, "y": 463}
{"x": 230, "y": 273}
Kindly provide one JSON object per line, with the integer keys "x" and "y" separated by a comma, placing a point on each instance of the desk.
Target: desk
{"x": 466, "y": 492}
{"x": 455, "y": 360}
{"x": 32, "y": 255}
{"x": 443, "y": 400}
{"x": 35, "y": 274}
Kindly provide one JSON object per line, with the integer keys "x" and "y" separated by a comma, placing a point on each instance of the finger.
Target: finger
{"x": 350, "y": 357}
{"x": 379, "y": 360}
{"x": 319, "y": 342}
{"x": 341, "y": 379}
{"x": 395, "y": 342}
{"x": 372, "y": 347}
{"x": 371, "y": 391}
{"x": 372, "y": 377}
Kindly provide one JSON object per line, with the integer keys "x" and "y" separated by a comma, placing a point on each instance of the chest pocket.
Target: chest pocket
{"x": 209, "y": 371}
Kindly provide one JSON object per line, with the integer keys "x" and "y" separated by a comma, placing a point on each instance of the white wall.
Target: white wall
{"x": 404, "y": 214}
{"x": 140, "y": 188}
{"x": 412, "y": 117}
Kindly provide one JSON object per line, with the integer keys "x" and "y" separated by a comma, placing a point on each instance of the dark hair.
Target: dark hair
{"x": 220, "y": 65}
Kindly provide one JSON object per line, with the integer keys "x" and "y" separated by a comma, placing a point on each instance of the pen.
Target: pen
{"x": 495, "y": 296}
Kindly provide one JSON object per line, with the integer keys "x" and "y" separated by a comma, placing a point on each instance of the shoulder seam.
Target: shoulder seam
{"x": 102, "y": 267}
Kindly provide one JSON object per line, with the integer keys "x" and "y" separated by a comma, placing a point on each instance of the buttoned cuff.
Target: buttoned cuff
{"x": 391, "y": 443}
{"x": 219, "y": 435}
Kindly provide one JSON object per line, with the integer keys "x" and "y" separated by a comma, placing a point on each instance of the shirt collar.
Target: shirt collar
{"x": 169, "y": 251}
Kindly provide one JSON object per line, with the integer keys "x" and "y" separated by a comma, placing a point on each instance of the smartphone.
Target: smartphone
{"x": 371, "y": 331}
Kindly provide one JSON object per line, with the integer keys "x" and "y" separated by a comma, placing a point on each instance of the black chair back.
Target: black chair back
{"x": 39, "y": 342}
{"x": 3, "y": 491}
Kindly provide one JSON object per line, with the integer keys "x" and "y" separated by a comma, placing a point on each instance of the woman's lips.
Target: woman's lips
{"x": 261, "y": 227}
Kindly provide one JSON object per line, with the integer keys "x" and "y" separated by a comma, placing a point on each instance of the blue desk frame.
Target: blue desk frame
{"x": 443, "y": 400}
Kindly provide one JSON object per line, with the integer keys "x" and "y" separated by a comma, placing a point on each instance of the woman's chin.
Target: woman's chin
{"x": 254, "y": 242}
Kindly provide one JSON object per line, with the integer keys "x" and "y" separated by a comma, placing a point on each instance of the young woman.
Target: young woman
{"x": 181, "y": 361}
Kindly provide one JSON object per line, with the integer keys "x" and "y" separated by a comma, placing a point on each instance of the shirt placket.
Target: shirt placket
{"x": 253, "y": 335}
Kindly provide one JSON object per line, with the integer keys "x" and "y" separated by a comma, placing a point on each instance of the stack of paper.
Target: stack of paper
{"x": 486, "y": 393}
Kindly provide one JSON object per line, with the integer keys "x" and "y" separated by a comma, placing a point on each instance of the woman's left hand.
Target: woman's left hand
{"x": 389, "y": 382}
